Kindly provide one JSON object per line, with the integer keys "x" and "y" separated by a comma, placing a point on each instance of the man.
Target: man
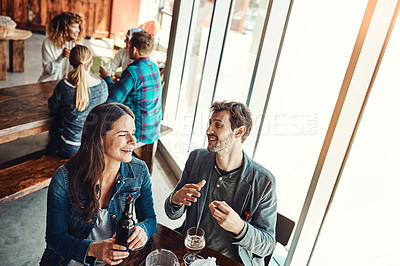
{"x": 140, "y": 89}
{"x": 225, "y": 192}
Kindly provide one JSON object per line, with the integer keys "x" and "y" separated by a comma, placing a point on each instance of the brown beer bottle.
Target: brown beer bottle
{"x": 126, "y": 225}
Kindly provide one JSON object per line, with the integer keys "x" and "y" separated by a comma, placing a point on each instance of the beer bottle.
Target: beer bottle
{"x": 126, "y": 225}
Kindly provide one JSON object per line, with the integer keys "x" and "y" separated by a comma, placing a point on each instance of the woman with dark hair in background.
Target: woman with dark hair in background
{"x": 63, "y": 32}
{"x": 86, "y": 196}
{"x": 72, "y": 100}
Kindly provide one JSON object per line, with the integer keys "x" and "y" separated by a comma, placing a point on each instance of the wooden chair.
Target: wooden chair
{"x": 283, "y": 231}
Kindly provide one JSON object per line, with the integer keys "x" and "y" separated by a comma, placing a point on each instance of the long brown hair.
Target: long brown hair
{"x": 57, "y": 29}
{"x": 87, "y": 165}
{"x": 80, "y": 58}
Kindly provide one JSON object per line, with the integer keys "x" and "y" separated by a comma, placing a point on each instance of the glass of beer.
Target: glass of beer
{"x": 194, "y": 243}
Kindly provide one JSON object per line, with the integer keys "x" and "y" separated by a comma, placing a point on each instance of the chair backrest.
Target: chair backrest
{"x": 283, "y": 231}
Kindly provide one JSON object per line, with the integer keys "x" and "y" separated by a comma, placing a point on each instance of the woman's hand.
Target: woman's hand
{"x": 137, "y": 239}
{"x": 107, "y": 251}
{"x": 66, "y": 52}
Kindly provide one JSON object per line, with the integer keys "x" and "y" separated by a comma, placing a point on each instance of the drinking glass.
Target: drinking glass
{"x": 194, "y": 243}
{"x": 160, "y": 257}
{"x": 107, "y": 66}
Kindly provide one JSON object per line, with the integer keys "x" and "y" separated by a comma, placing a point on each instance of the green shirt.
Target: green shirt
{"x": 221, "y": 188}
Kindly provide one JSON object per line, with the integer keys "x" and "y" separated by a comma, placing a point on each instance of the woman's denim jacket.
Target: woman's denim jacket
{"x": 66, "y": 230}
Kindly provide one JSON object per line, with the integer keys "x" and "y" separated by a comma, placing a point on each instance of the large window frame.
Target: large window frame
{"x": 364, "y": 63}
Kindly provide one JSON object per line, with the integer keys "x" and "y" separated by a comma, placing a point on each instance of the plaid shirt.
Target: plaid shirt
{"x": 140, "y": 89}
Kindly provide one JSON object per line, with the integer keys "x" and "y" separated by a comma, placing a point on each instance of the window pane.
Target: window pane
{"x": 165, "y": 18}
{"x": 181, "y": 116}
{"x": 313, "y": 62}
{"x": 161, "y": 11}
{"x": 240, "y": 50}
{"x": 362, "y": 223}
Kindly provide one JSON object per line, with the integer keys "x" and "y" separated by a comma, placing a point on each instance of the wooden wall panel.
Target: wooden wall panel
{"x": 90, "y": 9}
{"x": 97, "y": 13}
{"x": 3, "y": 7}
{"x": 103, "y": 19}
{"x": 125, "y": 15}
{"x": 14, "y": 9}
{"x": 55, "y": 7}
{"x": 38, "y": 11}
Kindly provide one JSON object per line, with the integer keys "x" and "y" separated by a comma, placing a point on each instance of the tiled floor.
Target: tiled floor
{"x": 22, "y": 222}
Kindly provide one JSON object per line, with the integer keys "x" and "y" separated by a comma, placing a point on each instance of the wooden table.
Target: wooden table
{"x": 17, "y": 52}
{"x": 24, "y": 111}
{"x": 173, "y": 241}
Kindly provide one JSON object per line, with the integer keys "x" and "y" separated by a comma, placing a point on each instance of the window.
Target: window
{"x": 288, "y": 60}
{"x": 362, "y": 223}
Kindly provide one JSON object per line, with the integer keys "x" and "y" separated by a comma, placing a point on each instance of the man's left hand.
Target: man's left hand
{"x": 226, "y": 217}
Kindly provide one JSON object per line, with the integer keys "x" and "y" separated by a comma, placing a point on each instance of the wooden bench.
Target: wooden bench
{"x": 27, "y": 177}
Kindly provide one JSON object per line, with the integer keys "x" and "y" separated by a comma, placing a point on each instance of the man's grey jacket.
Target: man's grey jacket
{"x": 254, "y": 200}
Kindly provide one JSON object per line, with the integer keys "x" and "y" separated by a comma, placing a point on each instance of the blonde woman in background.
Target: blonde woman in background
{"x": 72, "y": 100}
{"x": 63, "y": 32}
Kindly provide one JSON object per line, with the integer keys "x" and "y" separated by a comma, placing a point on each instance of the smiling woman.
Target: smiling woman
{"x": 63, "y": 31}
{"x": 120, "y": 140}
{"x": 84, "y": 198}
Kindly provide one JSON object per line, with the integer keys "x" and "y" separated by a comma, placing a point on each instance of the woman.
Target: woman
{"x": 63, "y": 32}
{"x": 86, "y": 196}
{"x": 72, "y": 100}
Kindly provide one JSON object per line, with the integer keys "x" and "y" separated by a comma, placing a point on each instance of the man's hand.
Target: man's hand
{"x": 107, "y": 251}
{"x": 117, "y": 75}
{"x": 137, "y": 239}
{"x": 188, "y": 194}
{"x": 226, "y": 217}
{"x": 103, "y": 72}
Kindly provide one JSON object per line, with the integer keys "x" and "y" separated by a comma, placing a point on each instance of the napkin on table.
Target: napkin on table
{"x": 205, "y": 262}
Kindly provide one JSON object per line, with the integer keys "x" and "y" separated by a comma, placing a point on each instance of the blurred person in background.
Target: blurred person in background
{"x": 122, "y": 58}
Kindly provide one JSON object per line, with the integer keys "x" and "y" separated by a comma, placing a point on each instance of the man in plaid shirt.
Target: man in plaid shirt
{"x": 140, "y": 88}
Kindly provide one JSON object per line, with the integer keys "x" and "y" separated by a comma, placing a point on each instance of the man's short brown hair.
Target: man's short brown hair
{"x": 240, "y": 115}
{"x": 143, "y": 41}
